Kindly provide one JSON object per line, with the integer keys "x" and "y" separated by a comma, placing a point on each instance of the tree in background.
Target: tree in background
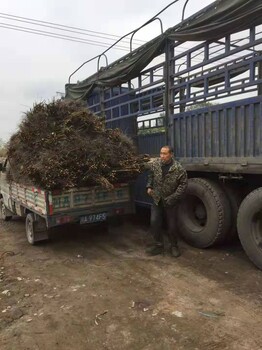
{"x": 158, "y": 126}
{"x": 200, "y": 105}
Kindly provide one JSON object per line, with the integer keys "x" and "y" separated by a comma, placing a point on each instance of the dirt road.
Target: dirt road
{"x": 92, "y": 289}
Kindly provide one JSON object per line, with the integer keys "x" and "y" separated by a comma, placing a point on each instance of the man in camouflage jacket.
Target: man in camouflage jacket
{"x": 167, "y": 182}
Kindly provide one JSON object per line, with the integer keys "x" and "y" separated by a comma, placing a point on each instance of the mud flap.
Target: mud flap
{"x": 40, "y": 231}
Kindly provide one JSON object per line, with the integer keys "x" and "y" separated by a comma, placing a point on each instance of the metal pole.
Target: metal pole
{"x": 259, "y": 86}
{"x": 168, "y": 93}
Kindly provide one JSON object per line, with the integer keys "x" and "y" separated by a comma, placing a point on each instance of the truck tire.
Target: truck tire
{"x": 249, "y": 226}
{"x": 204, "y": 214}
{"x": 3, "y": 212}
{"x": 235, "y": 198}
{"x": 32, "y": 234}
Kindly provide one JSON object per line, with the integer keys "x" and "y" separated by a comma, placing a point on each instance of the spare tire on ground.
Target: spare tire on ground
{"x": 204, "y": 214}
{"x": 249, "y": 226}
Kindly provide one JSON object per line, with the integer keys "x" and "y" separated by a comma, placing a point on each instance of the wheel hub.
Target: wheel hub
{"x": 200, "y": 212}
{"x": 30, "y": 230}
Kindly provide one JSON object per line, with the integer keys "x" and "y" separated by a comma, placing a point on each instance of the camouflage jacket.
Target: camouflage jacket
{"x": 170, "y": 188}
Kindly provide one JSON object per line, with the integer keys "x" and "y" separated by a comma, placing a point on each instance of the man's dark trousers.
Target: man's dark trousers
{"x": 158, "y": 212}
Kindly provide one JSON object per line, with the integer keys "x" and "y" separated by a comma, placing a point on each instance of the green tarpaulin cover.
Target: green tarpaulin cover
{"x": 213, "y": 22}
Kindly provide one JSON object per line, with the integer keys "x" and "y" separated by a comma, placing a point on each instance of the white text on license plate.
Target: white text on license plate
{"x": 88, "y": 219}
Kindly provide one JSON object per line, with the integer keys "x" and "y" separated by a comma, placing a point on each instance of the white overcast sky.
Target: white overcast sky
{"x": 34, "y": 68}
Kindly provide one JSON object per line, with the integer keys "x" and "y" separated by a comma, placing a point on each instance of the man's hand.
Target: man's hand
{"x": 150, "y": 192}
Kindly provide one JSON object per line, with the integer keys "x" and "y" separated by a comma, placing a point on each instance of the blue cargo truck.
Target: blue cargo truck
{"x": 197, "y": 87}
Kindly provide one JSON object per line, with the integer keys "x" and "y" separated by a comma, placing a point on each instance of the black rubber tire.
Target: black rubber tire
{"x": 235, "y": 198}
{"x": 249, "y": 226}
{"x": 3, "y": 215}
{"x": 33, "y": 234}
{"x": 29, "y": 227}
{"x": 210, "y": 196}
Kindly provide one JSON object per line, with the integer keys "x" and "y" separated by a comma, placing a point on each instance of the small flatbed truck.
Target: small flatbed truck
{"x": 46, "y": 209}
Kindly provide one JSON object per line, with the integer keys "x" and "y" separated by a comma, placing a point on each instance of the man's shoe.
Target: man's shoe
{"x": 175, "y": 252}
{"x": 155, "y": 250}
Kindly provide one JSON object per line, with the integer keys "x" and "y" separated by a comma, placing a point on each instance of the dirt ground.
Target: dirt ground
{"x": 91, "y": 289}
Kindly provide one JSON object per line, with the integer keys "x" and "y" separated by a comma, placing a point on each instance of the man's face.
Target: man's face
{"x": 165, "y": 155}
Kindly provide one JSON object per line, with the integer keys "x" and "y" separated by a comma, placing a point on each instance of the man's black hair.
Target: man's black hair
{"x": 169, "y": 148}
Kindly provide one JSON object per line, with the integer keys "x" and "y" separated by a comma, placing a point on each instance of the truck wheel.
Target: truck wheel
{"x": 235, "y": 198}
{"x": 3, "y": 213}
{"x": 34, "y": 236}
{"x": 204, "y": 213}
{"x": 249, "y": 226}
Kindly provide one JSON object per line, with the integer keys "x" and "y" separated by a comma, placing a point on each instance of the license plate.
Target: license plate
{"x": 91, "y": 218}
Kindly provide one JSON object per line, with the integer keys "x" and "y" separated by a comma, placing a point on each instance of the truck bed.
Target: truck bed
{"x": 52, "y": 203}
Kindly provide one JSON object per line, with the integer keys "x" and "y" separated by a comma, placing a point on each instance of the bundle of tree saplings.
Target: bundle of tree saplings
{"x": 61, "y": 145}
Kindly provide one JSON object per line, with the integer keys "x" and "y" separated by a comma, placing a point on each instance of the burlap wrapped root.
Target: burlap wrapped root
{"x": 60, "y": 145}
